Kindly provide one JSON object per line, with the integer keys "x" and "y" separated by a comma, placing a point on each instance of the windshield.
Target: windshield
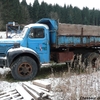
{"x": 22, "y": 34}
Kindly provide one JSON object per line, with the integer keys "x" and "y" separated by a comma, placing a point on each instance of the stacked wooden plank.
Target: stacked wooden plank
{"x": 38, "y": 90}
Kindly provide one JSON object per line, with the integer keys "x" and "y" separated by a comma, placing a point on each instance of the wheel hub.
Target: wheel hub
{"x": 25, "y": 69}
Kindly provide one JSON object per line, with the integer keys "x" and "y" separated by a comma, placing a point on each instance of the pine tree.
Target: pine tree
{"x": 77, "y": 15}
{"x": 56, "y": 12}
{"x": 63, "y": 15}
{"x": 43, "y": 10}
{"x": 24, "y": 13}
{"x": 2, "y": 27}
{"x": 96, "y": 17}
{"x": 35, "y": 10}
{"x": 86, "y": 16}
{"x": 11, "y": 10}
{"x": 70, "y": 14}
{"x": 30, "y": 8}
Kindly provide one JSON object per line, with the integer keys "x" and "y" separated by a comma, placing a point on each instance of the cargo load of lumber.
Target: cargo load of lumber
{"x": 78, "y": 29}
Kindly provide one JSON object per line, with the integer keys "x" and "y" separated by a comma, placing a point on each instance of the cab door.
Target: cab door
{"x": 38, "y": 40}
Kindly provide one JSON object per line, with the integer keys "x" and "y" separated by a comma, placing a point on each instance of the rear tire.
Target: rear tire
{"x": 24, "y": 68}
{"x": 91, "y": 61}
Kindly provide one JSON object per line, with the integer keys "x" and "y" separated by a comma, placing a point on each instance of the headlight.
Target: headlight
{"x": 16, "y": 45}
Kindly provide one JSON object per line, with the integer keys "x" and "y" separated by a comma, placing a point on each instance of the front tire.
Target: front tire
{"x": 24, "y": 68}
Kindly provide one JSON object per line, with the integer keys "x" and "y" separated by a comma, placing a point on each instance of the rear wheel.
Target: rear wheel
{"x": 24, "y": 68}
{"x": 92, "y": 61}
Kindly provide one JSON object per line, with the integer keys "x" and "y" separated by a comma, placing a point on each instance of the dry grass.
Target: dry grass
{"x": 77, "y": 86}
{"x": 74, "y": 83}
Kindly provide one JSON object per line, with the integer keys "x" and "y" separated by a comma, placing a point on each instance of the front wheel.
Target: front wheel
{"x": 24, "y": 68}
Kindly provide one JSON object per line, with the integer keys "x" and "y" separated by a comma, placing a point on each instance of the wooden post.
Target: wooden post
{"x": 42, "y": 84}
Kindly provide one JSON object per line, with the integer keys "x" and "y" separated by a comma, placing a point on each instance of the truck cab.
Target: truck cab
{"x": 38, "y": 40}
{"x": 25, "y": 52}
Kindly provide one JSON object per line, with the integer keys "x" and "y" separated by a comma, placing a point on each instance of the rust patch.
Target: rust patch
{"x": 63, "y": 56}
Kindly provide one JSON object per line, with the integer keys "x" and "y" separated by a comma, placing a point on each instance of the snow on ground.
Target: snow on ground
{"x": 72, "y": 87}
{"x": 2, "y": 34}
{"x": 4, "y": 71}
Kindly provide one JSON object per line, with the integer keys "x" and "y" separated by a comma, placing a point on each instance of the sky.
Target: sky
{"x": 79, "y": 3}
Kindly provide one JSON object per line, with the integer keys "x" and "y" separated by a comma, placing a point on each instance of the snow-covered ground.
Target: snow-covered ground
{"x": 2, "y": 34}
{"x": 66, "y": 87}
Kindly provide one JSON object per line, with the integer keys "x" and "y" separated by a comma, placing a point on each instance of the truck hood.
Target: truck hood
{"x": 10, "y": 40}
{"x": 6, "y": 44}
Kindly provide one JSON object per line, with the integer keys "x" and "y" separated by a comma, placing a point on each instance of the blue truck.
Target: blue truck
{"x": 48, "y": 40}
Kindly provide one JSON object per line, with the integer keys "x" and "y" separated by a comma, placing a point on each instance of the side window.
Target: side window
{"x": 36, "y": 33}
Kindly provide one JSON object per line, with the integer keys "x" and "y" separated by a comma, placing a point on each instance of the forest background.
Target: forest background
{"x": 23, "y": 13}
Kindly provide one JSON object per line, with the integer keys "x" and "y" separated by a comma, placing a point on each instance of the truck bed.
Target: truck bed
{"x": 78, "y": 30}
{"x": 72, "y": 35}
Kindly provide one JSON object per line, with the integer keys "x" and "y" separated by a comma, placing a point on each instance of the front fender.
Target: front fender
{"x": 14, "y": 53}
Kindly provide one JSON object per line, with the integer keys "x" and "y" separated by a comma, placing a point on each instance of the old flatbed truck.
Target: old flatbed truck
{"x": 45, "y": 40}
